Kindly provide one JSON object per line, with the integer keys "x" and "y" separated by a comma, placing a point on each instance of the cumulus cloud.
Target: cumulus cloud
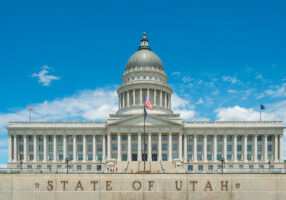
{"x": 231, "y": 91}
{"x": 276, "y": 92}
{"x": 182, "y": 106}
{"x": 85, "y": 105}
{"x": 200, "y": 101}
{"x": 176, "y": 73}
{"x": 231, "y": 79}
{"x": 43, "y": 76}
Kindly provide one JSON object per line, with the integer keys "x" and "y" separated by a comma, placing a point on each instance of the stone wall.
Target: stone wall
{"x": 138, "y": 186}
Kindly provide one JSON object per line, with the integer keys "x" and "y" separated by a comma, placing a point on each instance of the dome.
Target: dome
{"x": 144, "y": 57}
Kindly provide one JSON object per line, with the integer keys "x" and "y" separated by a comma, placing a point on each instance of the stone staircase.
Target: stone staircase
{"x": 121, "y": 166}
{"x": 169, "y": 167}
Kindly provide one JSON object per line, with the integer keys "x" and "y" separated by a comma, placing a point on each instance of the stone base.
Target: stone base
{"x": 142, "y": 186}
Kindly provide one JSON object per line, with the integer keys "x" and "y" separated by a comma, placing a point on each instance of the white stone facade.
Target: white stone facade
{"x": 196, "y": 145}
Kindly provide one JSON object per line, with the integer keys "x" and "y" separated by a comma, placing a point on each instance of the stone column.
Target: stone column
{"x": 159, "y": 146}
{"x": 225, "y": 147}
{"x": 15, "y": 148}
{"x": 119, "y": 146}
{"x": 74, "y": 148}
{"x": 169, "y": 101}
{"x": 180, "y": 145}
{"x": 25, "y": 148}
{"x": 165, "y": 94}
{"x": 84, "y": 148}
{"x": 276, "y": 148}
{"x": 108, "y": 146}
{"x": 155, "y": 97}
{"x": 149, "y": 147}
{"x": 35, "y": 149}
{"x": 185, "y": 148}
{"x": 129, "y": 147}
{"x": 65, "y": 147}
{"x": 94, "y": 148}
{"x": 281, "y": 147}
{"x": 10, "y": 149}
{"x": 245, "y": 148}
{"x": 139, "y": 156}
{"x": 45, "y": 148}
{"x": 148, "y": 94}
{"x": 265, "y": 149}
{"x": 195, "y": 148}
{"x": 255, "y": 148}
{"x": 103, "y": 147}
{"x": 170, "y": 147}
{"x": 128, "y": 98}
{"x": 141, "y": 98}
{"x": 205, "y": 148}
{"x": 55, "y": 148}
{"x": 235, "y": 148}
{"x": 161, "y": 101}
{"x": 133, "y": 97}
{"x": 215, "y": 148}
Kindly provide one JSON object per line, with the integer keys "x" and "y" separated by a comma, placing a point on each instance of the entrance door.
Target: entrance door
{"x": 134, "y": 157}
{"x": 154, "y": 157}
{"x": 144, "y": 156}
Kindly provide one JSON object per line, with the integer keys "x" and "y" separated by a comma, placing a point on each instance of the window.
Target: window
{"x": 60, "y": 138}
{"x": 134, "y": 147}
{"x": 189, "y": 138}
{"x": 249, "y": 147}
{"x": 49, "y": 167}
{"x": 199, "y": 147}
{"x": 229, "y": 147}
{"x": 98, "y": 167}
{"x": 259, "y": 147}
{"x": 190, "y": 168}
{"x": 61, "y": 157}
{"x": 50, "y": 138}
{"x": 89, "y": 138}
{"x": 230, "y": 166}
{"x": 154, "y": 137}
{"x": 29, "y": 166}
{"x": 114, "y": 137}
{"x": 229, "y": 156}
{"x": 219, "y": 147}
{"x": 31, "y": 157}
{"x": 174, "y": 156}
{"x": 259, "y": 138}
{"x": 174, "y": 137}
{"x": 124, "y": 137}
{"x": 189, "y": 157}
{"x": 30, "y": 138}
{"x": 250, "y": 166}
{"x": 89, "y": 157}
{"x": 134, "y": 137}
{"x": 269, "y": 148}
{"x": 200, "y": 157}
{"x": 239, "y": 138}
{"x": 261, "y": 166}
{"x": 70, "y": 138}
{"x": 80, "y": 147}
{"x": 79, "y": 156}
{"x": 209, "y": 138}
{"x": 209, "y": 147}
{"x": 189, "y": 147}
{"x": 218, "y": 157}
{"x": 21, "y": 148}
{"x": 99, "y": 138}
{"x": 164, "y": 137}
{"x": 200, "y": 167}
{"x": 164, "y": 147}
{"x": 249, "y": 138}
{"x": 78, "y": 167}
{"x": 50, "y": 147}
{"x": 249, "y": 156}
{"x": 79, "y": 138}
{"x": 88, "y": 167}
{"x": 240, "y": 166}
{"x": 174, "y": 147}
{"x": 51, "y": 156}
{"x": 114, "y": 147}
{"x": 269, "y": 138}
{"x": 219, "y": 138}
{"x": 124, "y": 157}
{"x": 99, "y": 148}
{"x": 59, "y": 166}
{"x": 70, "y": 157}
{"x": 259, "y": 157}
{"x": 60, "y": 147}
{"x": 99, "y": 157}
{"x": 238, "y": 156}
{"x": 200, "y": 138}
{"x": 39, "y": 166}
{"x": 209, "y": 157}
{"x": 70, "y": 147}
{"x": 164, "y": 157}
{"x": 31, "y": 147}
{"x": 210, "y": 167}
{"x": 239, "y": 148}
{"x": 89, "y": 147}
{"x": 229, "y": 138}
{"x": 124, "y": 147}
{"x": 41, "y": 157}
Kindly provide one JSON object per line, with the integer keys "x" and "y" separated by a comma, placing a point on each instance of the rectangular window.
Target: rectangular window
{"x": 249, "y": 156}
{"x": 239, "y": 138}
{"x": 209, "y": 157}
{"x": 70, "y": 157}
{"x": 259, "y": 147}
{"x": 219, "y": 138}
{"x": 61, "y": 157}
{"x": 189, "y": 138}
{"x": 89, "y": 157}
{"x": 238, "y": 156}
{"x": 134, "y": 147}
{"x": 21, "y": 148}
{"x": 209, "y": 138}
{"x": 200, "y": 167}
{"x": 31, "y": 147}
{"x": 70, "y": 147}
{"x": 229, "y": 147}
{"x": 174, "y": 137}
{"x": 60, "y": 147}
{"x": 249, "y": 138}
{"x": 269, "y": 148}
{"x": 209, "y": 147}
{"x": 89, "y": 138}
{"x": 174, "y": 147}
{"x": 189, "y": 157}
{"x": 88, "y": 167}
{"x": 124, "y": 157}
{"x": 164, "y": 137}
{"x": 78, "y": 167}
{"x": 259, "y": 156}
{"x": 229, "y": 156}
{"x": 189, "y": 147}
{"x": 164, "y": 157}
{"x": 51, "y": 156}
{"x": 79, "y": 156}
{"x": 200, "y": 138}
{"x": 154, "y": 147}
{"x": 239, "y": 147}
{"x": 154, "y": 138}
{"x": 124, "y": 147}
{"x": 134, "y": 137}
{"x": 174, "y": 156}
{"x": 59, "y": 166}
{"x": 99, "y": 148}
{"x": 114, "y": 147}
{"x": 200, "y": 157}
{"x": 219, "y": 147}
{"x": 229, "y": 138}
{"x": 210, "y": 167}
{"x": 259, "y": 138}
{"x": 40, "y": 138}
{"x": 79, "y": 138}
{"x": 41, "y": 148}
{"x": 80, "y": 147}
{"x": 50, "y": 138}
{"x": 50, "y": 147}
{"x": 269, "y": 138}
{"x": 114, "y": 137}
{"x": 124, "y": 137}
{"x": 89, "y": 147}
{"x": 99, "y": 138}
{"x": 249, "y": 147}
{"x": 70, "y": 138}
{"x": 199, "y": 147}
{"x": 41, "y": 157}
{"x": 164, "y": 147}
{"x": 190, "y": 168}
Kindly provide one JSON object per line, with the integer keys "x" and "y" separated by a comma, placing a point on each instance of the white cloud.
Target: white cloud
{"x": 43, "y": 76}
{"x": 176, "y": 73}
{"x": 85, "y": 105}
{"x": 186, "y": 79}
{"x": 182, "y": 106}
{"x": 231, "y": 79}
{"x": 278, "y": 91}
{"x": 200, "y": 101}
{"x": 231, "y": 91}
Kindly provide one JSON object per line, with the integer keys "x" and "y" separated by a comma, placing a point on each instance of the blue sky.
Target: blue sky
{"x": 222, "y": 58}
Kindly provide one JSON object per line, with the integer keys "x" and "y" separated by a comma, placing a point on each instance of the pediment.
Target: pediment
{"x": 138, "y": 120}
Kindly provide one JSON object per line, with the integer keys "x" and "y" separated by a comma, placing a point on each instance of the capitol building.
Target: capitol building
{"x": 166, "y": 144}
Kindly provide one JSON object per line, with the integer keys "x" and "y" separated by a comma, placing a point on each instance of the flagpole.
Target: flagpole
{"x": 144, "y": 138}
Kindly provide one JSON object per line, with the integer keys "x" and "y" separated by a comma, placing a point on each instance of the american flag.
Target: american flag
{"x": 147, "y": 103}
